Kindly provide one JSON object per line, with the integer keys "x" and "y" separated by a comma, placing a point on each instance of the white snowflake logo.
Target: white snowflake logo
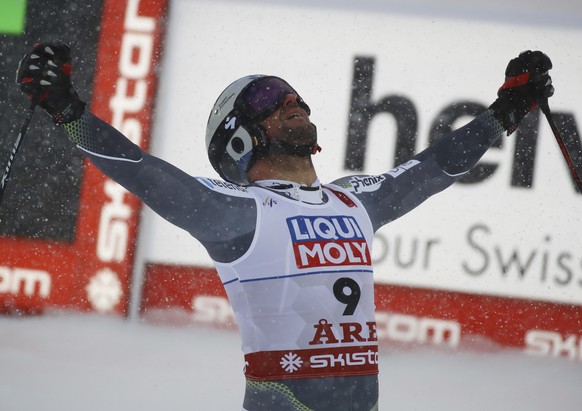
{"x": 291, "y": 362}
{"x": 104, "y": 290}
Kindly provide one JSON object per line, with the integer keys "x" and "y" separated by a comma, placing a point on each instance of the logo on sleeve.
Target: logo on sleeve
{"x": 366, "y": 183}
{"x": 224, "y": 187}
{"x": 395, "y": 172}
{"x": 328, "y": 241}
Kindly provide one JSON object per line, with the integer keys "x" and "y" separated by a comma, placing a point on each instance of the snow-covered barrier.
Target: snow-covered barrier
{"x": 405, "y": 316}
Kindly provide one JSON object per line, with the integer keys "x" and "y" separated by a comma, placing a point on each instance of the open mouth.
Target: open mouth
{"x": 293, "y": 116}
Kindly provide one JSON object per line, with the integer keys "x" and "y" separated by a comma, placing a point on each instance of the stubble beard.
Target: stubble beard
{"x": 305, "y": 135}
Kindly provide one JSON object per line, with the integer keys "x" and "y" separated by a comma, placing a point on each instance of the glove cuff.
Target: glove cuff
{"x": 73, "y": 111}
{"x": 510, "y": 110}
{"x": 503, "y": 113}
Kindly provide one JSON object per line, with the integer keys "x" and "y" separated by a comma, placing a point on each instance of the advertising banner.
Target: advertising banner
{"x": 68, "y": 233}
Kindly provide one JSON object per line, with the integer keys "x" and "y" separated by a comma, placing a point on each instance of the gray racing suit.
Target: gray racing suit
{"x": 227, "y": 220}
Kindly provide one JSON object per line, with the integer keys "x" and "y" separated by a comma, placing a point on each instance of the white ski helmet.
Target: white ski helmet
{"x": 234, "y": 138}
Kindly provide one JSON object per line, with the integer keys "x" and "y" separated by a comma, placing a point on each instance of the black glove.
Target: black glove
{"x": 527, "y": 84}
{"x": 44, "y": 75}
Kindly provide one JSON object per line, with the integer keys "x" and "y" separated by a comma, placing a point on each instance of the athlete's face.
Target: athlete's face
{"x": 290, "y": 123}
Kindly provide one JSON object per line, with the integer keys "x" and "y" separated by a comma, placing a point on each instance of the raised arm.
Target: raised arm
{"x": 392, "y": 194}
{"x": 220, "y": 215}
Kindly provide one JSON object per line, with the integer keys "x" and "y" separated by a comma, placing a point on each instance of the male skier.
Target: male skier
{"x": 292, "y": 254}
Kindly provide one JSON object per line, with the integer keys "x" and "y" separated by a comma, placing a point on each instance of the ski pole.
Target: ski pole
{"x": 546, "y": 110}
{"x": 16, "y": 147}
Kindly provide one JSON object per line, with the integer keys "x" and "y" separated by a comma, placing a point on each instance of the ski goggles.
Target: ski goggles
{"x": 260, "y": 98}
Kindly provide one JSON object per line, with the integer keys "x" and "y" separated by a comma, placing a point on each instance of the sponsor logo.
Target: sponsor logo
{"x": 542, "y": 343}
{"x": 222, "y": 186}
{"x": 359, "y": 360}
{"x": 135, "y": 64}
{"x": 417, "y": 330}
{"x": 360, "y": 184}
{"x": 25, "y": 281}
{"x": 351, "y": 332}
{"x": 230, "y": 123}
{"x": 366, "y": 183}
{"x": 328, "y": 241}
{"x": 127, "y": 105}
{"x": 269, "y": 202}
{"x": 366, "y": 104}
{"x": 104, "y": 291}
{"x": 395, "y": 172}
{"x": 113, "y": 235}
{"x": 212, "y": 310}
{"x": 291, "y": 362}
{"x": 344, "y": 359}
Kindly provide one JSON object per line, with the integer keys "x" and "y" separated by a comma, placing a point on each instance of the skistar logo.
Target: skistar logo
{"x": 310, "y": 363}
{"x": 327, "y": 241}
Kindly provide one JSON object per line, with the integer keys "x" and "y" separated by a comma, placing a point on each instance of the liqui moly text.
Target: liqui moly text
{"x": 328, "y": 241}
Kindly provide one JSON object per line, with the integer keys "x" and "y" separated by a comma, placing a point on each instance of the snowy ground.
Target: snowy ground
{"x": 75, "y": 362}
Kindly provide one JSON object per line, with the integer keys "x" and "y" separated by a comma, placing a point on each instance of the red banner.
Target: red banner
{"x": 405, "y": 317}
{"x": 313, "y": 363}
{"x": 93, "y": 273}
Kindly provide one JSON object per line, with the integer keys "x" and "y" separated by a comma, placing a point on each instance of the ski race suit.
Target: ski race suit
{"x": 295, "y": 261}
